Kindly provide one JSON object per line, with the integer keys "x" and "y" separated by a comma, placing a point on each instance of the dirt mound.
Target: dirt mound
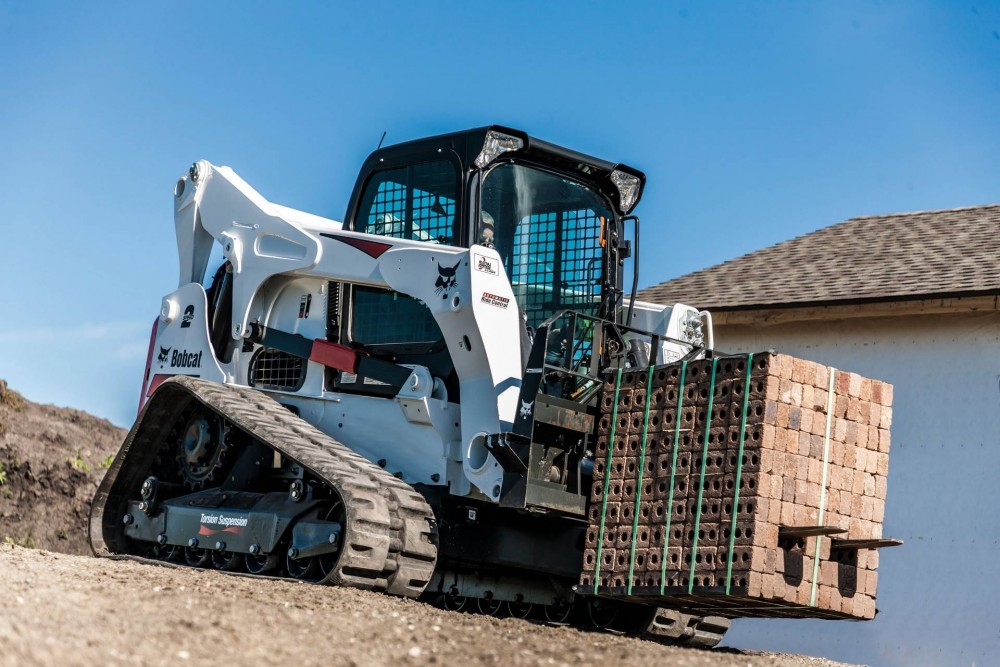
{"x": 67, "y": 610}
{"x": 51, "y": 461}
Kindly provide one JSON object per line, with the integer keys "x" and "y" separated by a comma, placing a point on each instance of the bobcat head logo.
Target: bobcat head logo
{"x": 446, "y": 279}
{"x": 526, "y": 409}
{"x": 164, "y": 355}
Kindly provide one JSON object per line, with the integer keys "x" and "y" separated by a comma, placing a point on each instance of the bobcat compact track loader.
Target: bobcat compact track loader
{"x": 405, "y": 401}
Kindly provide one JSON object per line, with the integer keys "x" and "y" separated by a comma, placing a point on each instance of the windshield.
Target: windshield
{"x": 548, "y": 231}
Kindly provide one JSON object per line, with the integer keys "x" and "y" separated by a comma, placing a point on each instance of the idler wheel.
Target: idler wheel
{"x": 519, "y": 609}
{"x": 261, "y": 564}
{"x": 452, "y": 601}
{"x": 226, "y": 560}
{"x": 196, "y": 557}
{"x": 558, "y": 612}
{"x": 601, "y": 614}
{"x": 489, "y": 607}
{"x": 306, "y": 569}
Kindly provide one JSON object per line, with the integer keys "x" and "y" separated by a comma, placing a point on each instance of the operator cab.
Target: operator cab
{"x": 554, "y": 215}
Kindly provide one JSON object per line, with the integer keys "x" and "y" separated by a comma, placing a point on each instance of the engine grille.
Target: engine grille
{"x": 271, "y": 369}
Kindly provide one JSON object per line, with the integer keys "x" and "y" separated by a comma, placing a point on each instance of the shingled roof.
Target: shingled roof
{"x": 927, "y": 254}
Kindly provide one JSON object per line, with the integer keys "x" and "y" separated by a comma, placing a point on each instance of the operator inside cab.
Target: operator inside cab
{"x": 487, "y": 230}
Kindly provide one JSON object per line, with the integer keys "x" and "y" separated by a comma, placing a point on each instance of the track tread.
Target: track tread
{"x": 389, "y": 537}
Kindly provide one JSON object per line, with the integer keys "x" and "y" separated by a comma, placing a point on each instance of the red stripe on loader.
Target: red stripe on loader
{"x": 334, "y": 356}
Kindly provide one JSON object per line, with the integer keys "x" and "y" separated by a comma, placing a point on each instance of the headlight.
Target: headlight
{"x": 694, "y": 330}
{"x": 628, "y": 189}
{"x": 495, "y": 144}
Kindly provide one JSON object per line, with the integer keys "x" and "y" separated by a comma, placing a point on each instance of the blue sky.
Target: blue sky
{"x": 754, "y": 122}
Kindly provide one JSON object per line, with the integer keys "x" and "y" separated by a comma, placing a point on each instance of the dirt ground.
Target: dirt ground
{"x": 51, "y": 461}
{"x": 60, "y": 609}
{"x": 64, "y": 609}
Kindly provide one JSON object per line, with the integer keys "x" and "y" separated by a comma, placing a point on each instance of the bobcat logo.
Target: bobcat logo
{"x": 164, "y": 355}
{"x": 446, "y": 279}
{"x": 526, "y": 409}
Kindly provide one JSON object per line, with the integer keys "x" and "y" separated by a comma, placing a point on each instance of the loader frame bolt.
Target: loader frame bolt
{"x": 161, "y": 538}
{"x": 220, "y": 546}
{"x": 193, "y": 542}
{"x": 128, "y": 519}
{"x": 293, "y": 552}
{"x": 254, "y": 549}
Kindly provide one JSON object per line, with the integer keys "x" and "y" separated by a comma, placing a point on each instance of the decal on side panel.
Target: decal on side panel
{"x": 447, "y": 279}
{"x": 495, "y": 300}
{"x": 179, "y": 358}
{"x": 486, "y": 264}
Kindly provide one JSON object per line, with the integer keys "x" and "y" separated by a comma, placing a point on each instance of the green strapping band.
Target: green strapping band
{"x": 739, "y": 474}
{"x": 701, "y": 483}
{"x": 822, "y": 491}
{"x": 607, "y": 480}
{"x": 673, "y": 471}
{"x": 638, "y": 488}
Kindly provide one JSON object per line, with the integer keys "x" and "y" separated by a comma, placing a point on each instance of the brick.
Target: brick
{"x": 887, "y": 392}
{"x": 842, "y": 382}
{"x": 878, "y": 511}
{"x": 874, "y": 414}
{"x": 858, "y": 488}
{"x": 813, "y": 495}
{"x": 820, "y": 397}
{"x": 795, "y": 418}
{"x": 801, "y": 371}
{"x": 840, "y": 430}
{"x": 850, "y": 457}
{"x": 840, "y": 407}
{"x": 791, "y": 441}
{"x": 815, "y": 473}
{"x": 851, "y": 437}
{"x": 854, "y": 385}
{"x": 782, "y": 415}
{"x": 866, "y": 390}
{"x": 880, "y": 487}
{"x": 883, "y": 440}
{"x": 769, "y": 437}
{"x": 847, "y": 605}
{"x": 871, "y": 462}
{"x": 869, "y": 485}
{"x": 785, "y": 367}
{"x": 796, "y": 394}
{"x": 885, "y": 420}
{"x": 801, "y": 467}
{"x": 868, "y": 508}
{"x": 863, "y": 438}
{"x": 804, "y": 443}
{"x": 837, "y": 453}
{"x": 788, "y": 513}
{"x": 860, "y": 458}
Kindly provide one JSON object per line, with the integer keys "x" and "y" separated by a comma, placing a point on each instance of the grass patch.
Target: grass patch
{"x": 79, "y": 463}
{"x": 28, "y": 541}
{"x": 10, "y": 398}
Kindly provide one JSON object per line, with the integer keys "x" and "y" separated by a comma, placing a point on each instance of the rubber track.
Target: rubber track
{"x": 389, "y": 540}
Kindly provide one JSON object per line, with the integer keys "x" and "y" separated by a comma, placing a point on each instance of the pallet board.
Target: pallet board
{"x": 727, "y": 481}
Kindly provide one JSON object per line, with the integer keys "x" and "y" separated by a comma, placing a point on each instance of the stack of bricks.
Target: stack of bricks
{"x": 796, "y": 465}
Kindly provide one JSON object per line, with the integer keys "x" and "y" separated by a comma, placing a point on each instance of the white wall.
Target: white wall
{"x": 939, "y": 593}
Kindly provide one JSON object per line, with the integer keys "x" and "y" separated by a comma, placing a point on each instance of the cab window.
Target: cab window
{"x": 416, "y": 202}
